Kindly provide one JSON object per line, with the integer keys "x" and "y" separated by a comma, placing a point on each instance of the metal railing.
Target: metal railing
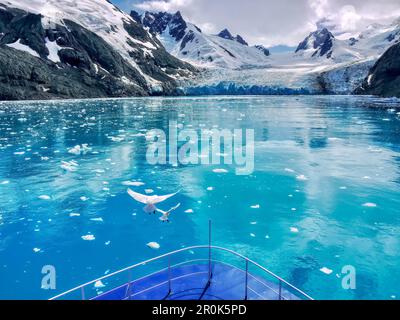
{"x": 299, "y": 293}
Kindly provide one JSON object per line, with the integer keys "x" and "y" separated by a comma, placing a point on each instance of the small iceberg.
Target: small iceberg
{"x": 99, "y": 284}
{"x": 133, "y": 183}
{"x": 153, "y": 245}
{"x": 88, "y": 237}
{"x": 189, "y": 211}
{"x": 220, "y": 171}
{"x": 326, "y": 270}
{"x": 44, "y": 197}
{"x": 256, "y": 206}
{"x": 370, "y": 205}
{"x": 294, "y": 230}
{"x": 301, "y": 177}
{"x": 73, "y": 214}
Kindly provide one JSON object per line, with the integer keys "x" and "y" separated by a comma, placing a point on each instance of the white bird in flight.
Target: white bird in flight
{"x": 149, "y": 201}
{"x": 165, "y": 214}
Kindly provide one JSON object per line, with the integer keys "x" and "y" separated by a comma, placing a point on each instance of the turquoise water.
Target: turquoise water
{"x": 327, "y": 167}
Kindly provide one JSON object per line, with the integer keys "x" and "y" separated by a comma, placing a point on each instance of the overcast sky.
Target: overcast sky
{"x": 273, "y": 22}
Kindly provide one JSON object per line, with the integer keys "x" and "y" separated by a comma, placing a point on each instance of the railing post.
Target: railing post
{"x": 247, "y": 279}
{"x": 280, "y": 289}
{"x": 169, "y": 275}
{"x": 83, "y": 293}
{"x": 209, "y": 251}
{"x": 130, "y": 284}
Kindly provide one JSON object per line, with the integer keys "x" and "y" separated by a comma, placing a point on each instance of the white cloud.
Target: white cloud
{"x": 272, "y": 22}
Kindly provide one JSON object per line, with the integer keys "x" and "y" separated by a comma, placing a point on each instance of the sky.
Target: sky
{"x": 274, "y": 22}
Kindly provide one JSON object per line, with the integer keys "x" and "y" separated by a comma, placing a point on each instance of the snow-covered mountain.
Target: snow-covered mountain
{"x": 187, "y": 42}
{"x": 86, "y": 48}
{"x": 340, "y": 47}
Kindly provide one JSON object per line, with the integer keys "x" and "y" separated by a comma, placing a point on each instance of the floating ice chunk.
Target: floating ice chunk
{"x": 326, "y": 270}
{"x": 80, "y": 149}
{"x": 148, "y": 191}
{"x": 370, "y": 205}
{"x": 289, "y": 170}
{"x": 85, "y": 148}
{"x": 189, "y": 211}
{"x": 97, "y": 219}
{"x": 153, "y": 245}
{"x": 256, "y": 206}
{"x": 253, "y": 222}
{"x": 343, "y": 188}
{"x": 5, "y": 182}
{"x": 220, "y": 171}
{"x": 117, "y": 139}
{"x": 84, "y": 198}
{"x": 75, "y": 150}
{"x": 19, "y": 153}
{"x": 36, "y": 250}
{"x": 73, "y": 214}
{"x": 99, "y": 284}
{"x": 294, "y": 230}
{"x": 267, "y": 237}
{"x": 133, "y": 183}
{"x": 210, "y": 189}
{"x": 107, "y": 243}
{"x": 301, "y": 177}
{"x": 44, "y": 197}
{"x": 70, "y": 166}
{"x": 88, "y": 237}
{"x": 252, "y": 235}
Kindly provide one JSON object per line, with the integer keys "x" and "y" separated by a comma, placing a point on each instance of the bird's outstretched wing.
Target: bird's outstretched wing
{"x": 138, "y": 197}
{"x": 161, "y": 211}
{"x": 174, "y": 208}
{"x": 158, "y": 199}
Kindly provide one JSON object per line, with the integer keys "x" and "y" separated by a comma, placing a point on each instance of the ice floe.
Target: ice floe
{"x": 44, "y": 197}
{"x": 73, "y": 214}
{"x": 99, "y": 284}
{"x": 133, "y": 183}
{"x": 256, "y": 206}
{"x": 370, "y": 205}
{"x": 301, "y": 177}
{"x": 189, "y": 211}
{"x": 220, "y": 171}
{"x": 153, "y": 245}
{"x": 88, "y": 237}
{"x": 326, "y": 270}
{"x": 294, "y": 230}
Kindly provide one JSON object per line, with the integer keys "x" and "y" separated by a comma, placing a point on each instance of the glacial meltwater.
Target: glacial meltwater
{"x": 324, "y": 195}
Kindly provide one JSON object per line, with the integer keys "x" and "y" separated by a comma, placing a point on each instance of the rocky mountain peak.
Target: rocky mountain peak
{"x": 321, "y": 41}
{"x": 263, "y": 49}
{"x": 225, "y": 34}
{"x": 241, "y": 40}
{"x": 160, "y": 21}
